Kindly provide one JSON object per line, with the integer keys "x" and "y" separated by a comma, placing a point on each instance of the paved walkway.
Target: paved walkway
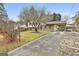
{"x": 46, "y": 46}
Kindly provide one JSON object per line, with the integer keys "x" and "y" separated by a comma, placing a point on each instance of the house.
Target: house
{"x": 56, "y": 25}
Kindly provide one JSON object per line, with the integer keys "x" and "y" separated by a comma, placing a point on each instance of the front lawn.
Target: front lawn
{"x": 26, "y": 36}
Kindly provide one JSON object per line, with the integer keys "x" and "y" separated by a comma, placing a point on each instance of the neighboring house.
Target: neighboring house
{"x": 22, "y": 27}
{"x": 70, "y": 27}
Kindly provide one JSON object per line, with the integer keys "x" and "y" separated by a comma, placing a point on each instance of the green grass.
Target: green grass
{"x": 26, "y": 37}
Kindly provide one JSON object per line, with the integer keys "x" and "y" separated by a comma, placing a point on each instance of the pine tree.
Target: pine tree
{"x": 3, "y": 17}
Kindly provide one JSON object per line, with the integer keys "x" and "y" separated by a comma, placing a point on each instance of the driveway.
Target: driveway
{"x": 46, "y": 46}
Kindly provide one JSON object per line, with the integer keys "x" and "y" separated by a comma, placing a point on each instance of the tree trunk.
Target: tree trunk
{"x": 19, "y": 33}
{"x": 36, "y": 29}
{"x": 19, "y": 37}
{"x": 27, "y": 26}
{"x": 41, "y": 27}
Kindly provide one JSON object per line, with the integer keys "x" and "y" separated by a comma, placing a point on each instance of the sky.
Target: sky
{"x": 65, "y": 9}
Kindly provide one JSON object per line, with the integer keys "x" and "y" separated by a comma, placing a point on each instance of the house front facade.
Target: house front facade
{"x": 56, "y": 26}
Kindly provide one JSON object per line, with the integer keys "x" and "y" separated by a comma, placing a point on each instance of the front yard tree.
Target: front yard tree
{"x": 32, "y": 16}
{"x": 36, "y": 17}
{"x": 24, "y": 17}
{"x": 42, "y": 20}
{"x": 11, "y": 32}
{"x": 6, "y": 26}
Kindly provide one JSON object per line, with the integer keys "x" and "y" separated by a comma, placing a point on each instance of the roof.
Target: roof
{"x": 57, "y": 22}
{"x": 69, "y": 25}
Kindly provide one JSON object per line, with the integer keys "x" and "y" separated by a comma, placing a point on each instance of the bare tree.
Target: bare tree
{"x": 32, "y": 16}
{"x": 6, "y": 25}
{"x": 37, "y": 17}
{"x": 25, "y": 16}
